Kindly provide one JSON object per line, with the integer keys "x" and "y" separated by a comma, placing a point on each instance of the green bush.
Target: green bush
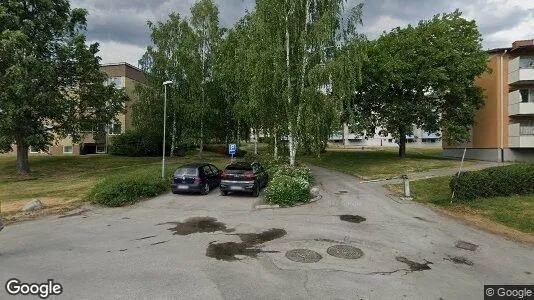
{"x": 136, "y": 144}
{"x": 301, "y": 171}
{"x": 120, "y": 190}
{"x": 493, "y": 182}
{"x": 285, "y": 190}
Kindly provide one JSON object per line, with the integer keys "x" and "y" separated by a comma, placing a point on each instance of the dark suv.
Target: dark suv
{"x": 200, "y": 177}
{"x": 243, "y": 177}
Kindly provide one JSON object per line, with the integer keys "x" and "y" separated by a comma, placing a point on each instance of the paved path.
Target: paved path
{"x": 130, "y": 253}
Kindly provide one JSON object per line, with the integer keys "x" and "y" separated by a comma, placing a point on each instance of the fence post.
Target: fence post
{"x": 407, "y": 192}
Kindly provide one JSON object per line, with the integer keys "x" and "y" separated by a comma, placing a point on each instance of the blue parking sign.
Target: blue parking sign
{"x": 232, "y": 148}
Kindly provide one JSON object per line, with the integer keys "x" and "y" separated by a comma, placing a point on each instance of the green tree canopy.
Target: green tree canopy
{"x": 50, "y": 80}
{"x": 424, "y": 76}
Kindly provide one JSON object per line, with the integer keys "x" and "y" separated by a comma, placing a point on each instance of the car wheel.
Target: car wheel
{"x": 256, "y": 192}
{"x": 224, "y": 193}
{"x": 175, "y": 192}
{"x": 205, "y": 189}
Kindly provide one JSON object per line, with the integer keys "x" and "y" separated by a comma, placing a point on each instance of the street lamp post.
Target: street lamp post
{"x": 164, "y": 128}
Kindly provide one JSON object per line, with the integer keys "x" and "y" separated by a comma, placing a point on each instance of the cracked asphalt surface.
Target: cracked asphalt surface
{"x": 132, "y": 253}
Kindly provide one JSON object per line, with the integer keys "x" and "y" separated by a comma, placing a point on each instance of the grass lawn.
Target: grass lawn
{"x": 69, "y": 178}
{"x": 516, "y": 211}
{"x": 383, "y": 163}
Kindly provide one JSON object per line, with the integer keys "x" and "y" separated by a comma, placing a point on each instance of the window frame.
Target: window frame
{"x": 100, "y": 152}
{"x": 71, "y": 151}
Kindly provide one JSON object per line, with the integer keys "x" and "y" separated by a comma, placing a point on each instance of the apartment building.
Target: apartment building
{"x": 419, "y": 139}
{"x": 504, "y": 129}
{"x": 122, "y": 75}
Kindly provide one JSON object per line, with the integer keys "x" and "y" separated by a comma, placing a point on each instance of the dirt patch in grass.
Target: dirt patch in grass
{"x": 12, "y": 210}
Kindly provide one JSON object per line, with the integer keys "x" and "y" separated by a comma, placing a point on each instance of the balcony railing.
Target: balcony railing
{"x": 526, "y": 130}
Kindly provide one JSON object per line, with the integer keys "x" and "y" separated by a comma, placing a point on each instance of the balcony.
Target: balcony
{"x": 521, "y": 136}
{"x": 521, "y": 70}
{"x": 521, "y": 102}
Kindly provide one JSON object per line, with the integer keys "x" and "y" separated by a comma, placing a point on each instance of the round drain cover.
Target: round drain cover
{"x": 344, "y": 251}
{"x": 303, "y": 256}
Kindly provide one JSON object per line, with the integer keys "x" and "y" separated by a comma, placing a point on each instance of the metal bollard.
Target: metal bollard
{"x": 407, "y": 192}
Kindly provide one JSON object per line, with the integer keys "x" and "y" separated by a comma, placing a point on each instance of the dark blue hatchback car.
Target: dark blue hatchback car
{"x": 196, "y": 177}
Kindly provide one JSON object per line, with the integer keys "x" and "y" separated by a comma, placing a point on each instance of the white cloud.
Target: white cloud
{"x": 115, "y": 52}
{"x": 383, "y": 23}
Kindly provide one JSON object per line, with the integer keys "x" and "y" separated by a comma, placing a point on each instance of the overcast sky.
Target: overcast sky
{"x": 120, "y": 25}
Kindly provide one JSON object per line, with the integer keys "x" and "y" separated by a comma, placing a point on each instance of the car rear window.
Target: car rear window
{"x": 186, "y": 172}
{"x": 239, "y": 167}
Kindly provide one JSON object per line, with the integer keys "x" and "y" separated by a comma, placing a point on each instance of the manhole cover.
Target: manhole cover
{"x": 303, "y": 256}
{"x": 344, "y": 251}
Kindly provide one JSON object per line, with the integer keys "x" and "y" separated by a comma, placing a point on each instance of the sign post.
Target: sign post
{"x": 232, "y": 148}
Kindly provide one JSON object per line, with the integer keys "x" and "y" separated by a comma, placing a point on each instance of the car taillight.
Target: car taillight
{"x": 198, "y": 180}
{"x": 250, "y": 176}
{"x": 225, "y": 175}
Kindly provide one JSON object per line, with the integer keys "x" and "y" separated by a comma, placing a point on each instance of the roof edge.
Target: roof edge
{"x": 121, "y": 64}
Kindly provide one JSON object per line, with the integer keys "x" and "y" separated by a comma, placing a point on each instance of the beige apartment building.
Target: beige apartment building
{"x": 122, "y": 75}
{"x": 504, "y": 129}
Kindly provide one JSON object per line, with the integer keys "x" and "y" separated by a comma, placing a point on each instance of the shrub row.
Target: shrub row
{"x": 121, "y": 190}
{"x": 223, "y": 149}
{"x": 135, "y": 144}
{"x": 142, "y": 144}
{"x": 493, "y": 182}
{"x": 288, "y": 186}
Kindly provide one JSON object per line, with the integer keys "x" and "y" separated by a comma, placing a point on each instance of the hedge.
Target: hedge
{"x": 121, "y": 190}
{"x": 136, "y": 144}
{"x": 492, "y": 182}
{"x": 223, "y": 149}
{"x": 285, "y": 190}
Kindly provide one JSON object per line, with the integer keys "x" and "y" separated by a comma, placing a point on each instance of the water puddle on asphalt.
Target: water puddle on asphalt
{"x": 352, "y": 218}
{"x": 466, "y": 245}
{"x": 230, "y": 250}
{"x": 260, "y": 238}
{"x": 158, "y": 243}
{"x": 198, "y": 225}
{"x": 146, "y": 237}
{"x": 459, "y": 260}
{"x": 414, "y": 266}
{"x": 81, "y": 212}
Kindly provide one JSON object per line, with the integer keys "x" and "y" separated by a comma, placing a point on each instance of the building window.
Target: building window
{"x": 100, "y": 149}
{"x": 524, "y": 95}
{"x": 526, "y": 63}
{"x": 118, "y": 82}
{"x": 33, "y": 151}
{"x": 114, "y": 129}
{"x": 68, "y": 150}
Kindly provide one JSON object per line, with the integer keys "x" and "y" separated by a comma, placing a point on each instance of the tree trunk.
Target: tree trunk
{"x": 255, "y": 141}
{"x": 200, "y": 153}
{"x": 23, "y": 165}
{"x": 275, "y": 146}
{"x": 402, "y": 142}
{"x": 173, "y": 137}
{"x": 291, "y": 137}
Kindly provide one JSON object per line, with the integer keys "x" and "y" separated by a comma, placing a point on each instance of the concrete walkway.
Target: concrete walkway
{"x": 154, "y": 250}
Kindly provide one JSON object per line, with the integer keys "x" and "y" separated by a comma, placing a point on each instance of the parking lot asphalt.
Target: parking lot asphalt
{"x": 356, "y": 242}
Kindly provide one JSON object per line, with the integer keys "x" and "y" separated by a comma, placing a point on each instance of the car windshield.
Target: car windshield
{"x": 186, "y": 172}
